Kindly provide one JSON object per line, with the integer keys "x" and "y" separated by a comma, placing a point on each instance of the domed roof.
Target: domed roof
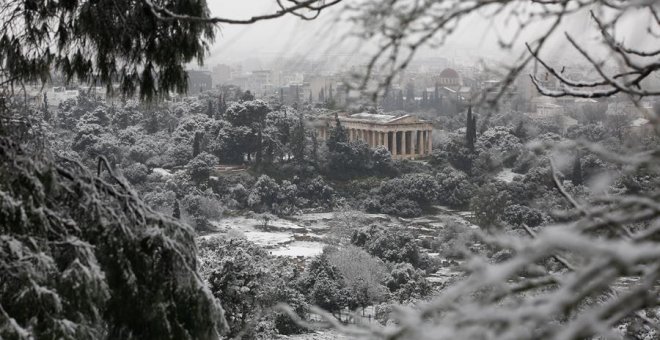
{"x": 449, "y": 73}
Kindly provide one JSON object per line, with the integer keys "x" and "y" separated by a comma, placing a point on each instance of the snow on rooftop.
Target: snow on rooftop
{"x": 372, "y": 116}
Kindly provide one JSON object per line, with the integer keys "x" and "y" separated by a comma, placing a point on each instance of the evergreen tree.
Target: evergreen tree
{"x": 46, "y": 111}
{"x": 338, "y": 134}
{"x": 247, "y": 96}
{"x": 104, "y": 41}
{"x": 209, "y": 109}
{"x": 197, "y": 141}
{"x": 176, "y": 211}
{"x": 471, "y": 130}
{"x": 222, "y": 107}
{"x": 577, "y": 171}
{"x": 520, "y": 131}
{"x": 298, "y": 140}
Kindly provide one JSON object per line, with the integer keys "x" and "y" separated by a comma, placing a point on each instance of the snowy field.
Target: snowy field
{"x": 305, "y": 235}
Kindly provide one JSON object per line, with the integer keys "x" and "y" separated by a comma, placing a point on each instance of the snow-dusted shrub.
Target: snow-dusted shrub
{"x": 249, "y": 283}
{"x": 407, "y": 195}
{"x": 517, "y": 215}
{"x": 83, "y": 258}
{"x": 201, "y": 209}
{"x": 136, "y": 173}
{"x": 454, "y": 188}
{"x": 201, "y": 166}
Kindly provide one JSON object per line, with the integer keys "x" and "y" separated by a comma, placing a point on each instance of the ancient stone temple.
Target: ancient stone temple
{"x": 404, "y": 136}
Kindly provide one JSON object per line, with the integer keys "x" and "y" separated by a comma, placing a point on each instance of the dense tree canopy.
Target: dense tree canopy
{"x": 103, "y": 41}
{"x": 80, "y": 248}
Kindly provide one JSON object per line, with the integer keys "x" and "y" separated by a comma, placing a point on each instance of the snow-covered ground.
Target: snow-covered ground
{"x": 162, "y": 172}
{"x": 304, "y": 235}
{"x": 299, "y": 248}
{"x": 506, "y": 175}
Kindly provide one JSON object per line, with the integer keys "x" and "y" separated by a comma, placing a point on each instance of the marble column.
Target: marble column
{"x": 409, "y": 142}
{"x": 394, "y": 150}
{"x": 430, "y": 142}
{"x": 418, "y": 142}
{"x": 404, "y": 145}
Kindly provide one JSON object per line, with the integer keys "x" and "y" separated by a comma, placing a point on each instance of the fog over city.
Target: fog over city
{"x": 330, "y": 169}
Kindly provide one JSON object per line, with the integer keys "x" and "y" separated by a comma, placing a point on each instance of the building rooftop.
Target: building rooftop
{"x": 449, "y": 73}
{"x": 372, "y": 117}
{"x": 365, "y": 117}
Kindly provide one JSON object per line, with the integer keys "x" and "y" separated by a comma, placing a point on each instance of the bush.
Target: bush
{"x": 406, "y": 196}
{"x": 519, "y": 214}
{"x": 136, "y": 173}
{"x": 201, "y": 209}
{"x": 200, "y": 167}
{"x": 391, "y": 245}
{"x": 454, "y": 188}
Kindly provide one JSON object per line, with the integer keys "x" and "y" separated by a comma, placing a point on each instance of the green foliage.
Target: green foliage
{"x": 104, "y": 41}
{"x": 391, "y": 245}
{"x": 80, "y": 249}
{"x": 407, "y": 283}
{"x": 323, "y": 285}
{"x": 405, "y": 196}
{"x": 488, "y": 205}
{"x": 455, "y": 189}
{"x": 249, "y": 284}
{"x": 363, "y": 274}
{"x": 201, "y": 166}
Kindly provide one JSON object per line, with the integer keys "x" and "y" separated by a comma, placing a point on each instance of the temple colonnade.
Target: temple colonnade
{"x": 401, "y": 141}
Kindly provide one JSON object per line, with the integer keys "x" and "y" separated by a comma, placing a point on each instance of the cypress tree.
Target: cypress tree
{"x": 577, "y": 171}
{"x": 46, "y": 112}
{"x": 470, "y": 130}
{"x": 197, "y": 143}
{"x": 209, "y": 109}
{"x": 176, "y": 211}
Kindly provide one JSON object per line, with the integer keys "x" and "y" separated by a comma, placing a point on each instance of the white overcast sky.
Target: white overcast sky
{"x": 289, "y": 36}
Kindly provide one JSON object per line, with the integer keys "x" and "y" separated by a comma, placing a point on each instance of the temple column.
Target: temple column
{"x": 404, "y": 137}
{"x": 418, "y": 142}
{"x": 388, "y": 143}
{"x": 409, "y": 142}
{"x": 430, "y": 142}
{"x": 424, "y": 142}
{"x": 394, "y": 150}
